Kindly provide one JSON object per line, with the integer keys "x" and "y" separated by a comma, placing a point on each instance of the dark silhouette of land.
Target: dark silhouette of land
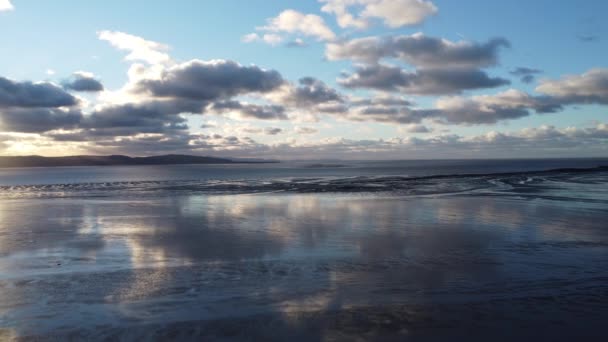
{"x": 170, "y": 159}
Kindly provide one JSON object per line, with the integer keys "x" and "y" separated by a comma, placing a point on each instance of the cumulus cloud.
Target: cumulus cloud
{"x": 272, "y": 130}
{"x": 393, "y": 13}
{"x": 418, "y": 50}
{"x": 147, "y": 117}
{"x": 459, "y": 110}
{"x": 5, "y": 5}
{"x": 589, "y": 87}
{"x": 305, "y": 130}
{"x": 422, "y": 81}
{"x": 381, "y": 100}
{"x": 291, "y": 22}
{"x": 269, "y": 38}
{"x": 526, "y": 75}
{"x": 29, "y": 94}
{"x": 209, "y": 81}
{"x": 454, "y": 110}
{"x": 247, "y": 110}
{"x": 309, "y": 92}
{"x": 259, "y": 130}
{"x": 83, "y": 81}
{"x": 298, "y": 42}
{"x": 415, "y": 128}
{"x": 36, "y": 107}
{"x": 38, "y": 120}
{"x": 139, "y": 49}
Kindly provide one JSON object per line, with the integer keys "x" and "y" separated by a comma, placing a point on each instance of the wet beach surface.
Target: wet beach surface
{"x": 498, "y": 258}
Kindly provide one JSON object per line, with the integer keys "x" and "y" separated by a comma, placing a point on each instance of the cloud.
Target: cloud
{"x": 453, "y": 110}
{"x": 294, "y": 23}
{"x": 5, "y": 5}
{"x": 381, "y": 100}
{"x": 529, "y": 142}
{"x": 306, "y": 130}
{"x": 296, "y": 43}
{"x": 310, "y": 92}
{"x": 147, "y": 117}
{"x": 422, "y": 81}
{"x": 393, "y": 13}
{"x": 139, "y": 49}
{"x": 36, "y": 107}
{"x": 587, "y": 38}
{"x": 29, "y": 95}
{"x": 272, "y": 130}
{"x": 418, "y": 50}
{"x": 38, "y": 120}
{"x": 589, "y": 87}
{"x": 246, "y": 110}
{"x": 209, "y": 81}
{"x": 415, "y": 128}
{"x": 476, "y": 110}
{"x": 269, "y": 38}
{"x": 83, "y": 81}
{"x": 526, "y": 75}
{"x": 258, "y": 130}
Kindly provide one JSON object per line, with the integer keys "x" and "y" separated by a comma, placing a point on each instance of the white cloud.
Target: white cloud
{"x": 139, "y": 49}
{"x": 393, "y": 13}
{"x": 5, "y": 5}
{"x": 590, "y": 87}
{"x": 269, "y": 38}
{"x": 272, "y": 39}
{"x": 305, "y": 130}
{"x": 250, "y": 38}
{"x": 290, "y": 22}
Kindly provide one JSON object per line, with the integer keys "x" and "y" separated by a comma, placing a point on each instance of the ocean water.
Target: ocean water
{"x": 310, "y": 251}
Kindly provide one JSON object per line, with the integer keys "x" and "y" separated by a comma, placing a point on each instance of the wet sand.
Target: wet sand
{"x": 303, "y": 267}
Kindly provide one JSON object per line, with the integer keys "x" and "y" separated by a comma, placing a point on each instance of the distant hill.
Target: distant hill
{"x": 170, "y": 159}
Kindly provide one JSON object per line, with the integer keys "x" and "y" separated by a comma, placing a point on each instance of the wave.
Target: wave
{"x": 592, "y": 180}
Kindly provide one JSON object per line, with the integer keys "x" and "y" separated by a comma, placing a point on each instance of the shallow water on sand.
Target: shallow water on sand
{"x": 506, "y": 256}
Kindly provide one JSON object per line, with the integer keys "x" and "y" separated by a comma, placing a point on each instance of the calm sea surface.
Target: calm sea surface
{"x": 331, "y": 250}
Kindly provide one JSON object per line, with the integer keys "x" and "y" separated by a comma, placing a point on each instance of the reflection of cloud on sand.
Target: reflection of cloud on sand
{"x": 285, "y": 261}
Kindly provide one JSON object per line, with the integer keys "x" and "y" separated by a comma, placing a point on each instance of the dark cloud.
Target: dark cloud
{"x": 312, "y": 92}
{"x": 256, "y": 130}
{"x": 382, "y": 101}
{"x": 526, "y": 75}
{"x": 272, "y": 130}
{"x": 263, "y": 112}
{"x": 149, "y": 117}
{"x": 392, "y": 114}
{"x": 587, "y": 38}
{"x": 483, "y": 109}
{"x": 38, "y": 120}
{"x": 210, "y": 81}
{"x": 83, "y": 82}
{"x": 33, "y": 95}
{"x": 421, "y": 82}
{"x": 419, "y": 50}
{"x": 474, "y": 113}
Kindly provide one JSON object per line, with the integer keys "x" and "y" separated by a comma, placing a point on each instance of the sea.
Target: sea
{"x": 331, "y": 250}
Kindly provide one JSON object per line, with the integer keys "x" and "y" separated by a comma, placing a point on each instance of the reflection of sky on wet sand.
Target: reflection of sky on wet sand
{"x": 74, "y": 262}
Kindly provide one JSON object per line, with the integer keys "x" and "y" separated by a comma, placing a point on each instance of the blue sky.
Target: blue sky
{"x": 561, "y": 47}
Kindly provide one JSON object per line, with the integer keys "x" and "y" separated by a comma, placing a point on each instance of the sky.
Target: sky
{"x": 305, "y": 79}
